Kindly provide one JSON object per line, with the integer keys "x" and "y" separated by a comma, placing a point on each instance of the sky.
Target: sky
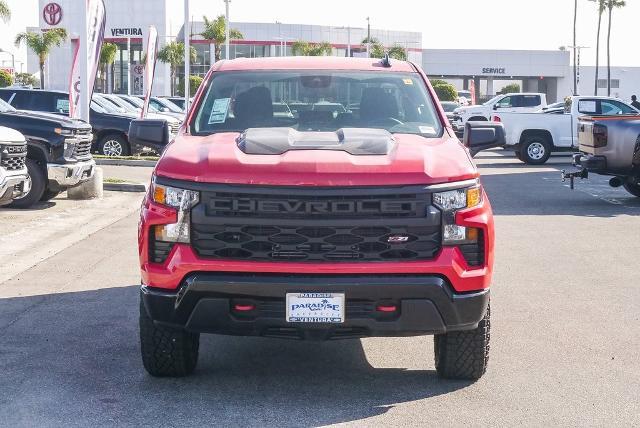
{"x": 471, "y": 24}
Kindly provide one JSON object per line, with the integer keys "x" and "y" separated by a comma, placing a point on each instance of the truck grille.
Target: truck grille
{"x": 13, "y": 157}
{"x": 316, "y": 225}
{"x": 83, "y": 145}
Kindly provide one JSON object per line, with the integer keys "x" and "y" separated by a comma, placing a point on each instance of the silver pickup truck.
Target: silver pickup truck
{"x": 14, "y": 178}
{"x": 609, "y": 146}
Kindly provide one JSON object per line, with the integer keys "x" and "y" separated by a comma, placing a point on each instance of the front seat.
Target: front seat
{"x": 254, "y": 108}
{"x": 377, "y": 104}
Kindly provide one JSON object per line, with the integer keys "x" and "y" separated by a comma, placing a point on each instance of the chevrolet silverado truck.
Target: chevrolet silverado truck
{"x": 58, "y": 152}
{"x": 534, "y": 136}
{"x": 321, "y": 226}
{"x": 609, "y": 146}
{"x": 510, "y": 103}
{"x": 14, "y": 178}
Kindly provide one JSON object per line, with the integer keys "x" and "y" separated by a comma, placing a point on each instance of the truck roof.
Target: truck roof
{"x": 313, "y": 63}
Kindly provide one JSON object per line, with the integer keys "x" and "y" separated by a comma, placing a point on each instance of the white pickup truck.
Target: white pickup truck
{"x": 533, "y": 136}
{"x": 512, "y": 103}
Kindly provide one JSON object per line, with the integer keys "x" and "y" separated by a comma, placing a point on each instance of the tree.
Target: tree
{"x": 214, "y": 31}
{"x": 107, "y": 59}
{"x": 6, "y": 79}
{"x": 26, "y": 79}
{"x": 611, "y": 4}
{"x": 303, "y": 48}
{"x": 445, "y": 91}
{"x": 602, "y": 6}
{"x": 194, "y": 84}
{"x": 377, "y": 50}
{"x": 173, "y": 54}
{"x": 41, "y": 45}
{"x": 5, "y": 12}
{"x": 398, "y": 52}
{"x": 511, "y": 88}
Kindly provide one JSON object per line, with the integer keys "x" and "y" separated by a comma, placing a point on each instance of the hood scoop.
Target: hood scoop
{"x": 355, "y": 141}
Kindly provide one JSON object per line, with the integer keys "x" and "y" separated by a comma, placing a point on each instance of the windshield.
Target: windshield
{"x": 319, "y": 101}
{"x": 4, "y": 107}
{"x": 109, "y": 107}
{"x": 492, "y": 100}
{"x": 120, "y": 103}
{"x": 168, "y": 104}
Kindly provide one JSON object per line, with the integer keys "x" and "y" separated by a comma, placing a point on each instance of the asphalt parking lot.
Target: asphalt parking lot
{"x": 564, "y": 347}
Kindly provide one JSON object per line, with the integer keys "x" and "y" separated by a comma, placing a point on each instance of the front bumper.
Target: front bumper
{"x": 13, "y": 185}
{"x": 72, "y": 174}
{"x": 205, "y": 301}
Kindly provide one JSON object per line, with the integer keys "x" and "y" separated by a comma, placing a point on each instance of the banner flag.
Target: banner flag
{"x": 149, "y": 68}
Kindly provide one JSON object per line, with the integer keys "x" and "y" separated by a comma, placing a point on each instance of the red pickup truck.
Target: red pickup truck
{"x": 357, "y": 214}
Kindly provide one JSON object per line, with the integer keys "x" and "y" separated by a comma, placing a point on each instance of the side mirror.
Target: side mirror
{"x": 153, "y": 133}
{"x": 480, "y": 136}
{"x": 496, "y": 106}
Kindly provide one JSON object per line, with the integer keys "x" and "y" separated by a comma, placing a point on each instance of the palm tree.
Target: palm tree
{"x": 5, "y": 12}
{"x": 41, "y": 45}
{"x": 398, "y": 52}
{"x": 611, "y": 4}
{"x": 378, "y": 50}
{"x": 214, "y": 31}
{"x": 173, "y": 54}
{"x": 107, "y": 59}
{"x": 602, "y": 5}
{"x": 311, "y": 49}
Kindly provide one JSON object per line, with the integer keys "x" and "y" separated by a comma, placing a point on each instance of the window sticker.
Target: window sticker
{"x": 408, "y": 81}
{"x": 586, "y": 106}
{"x": 427, "y": 130}
{"x": 219, "y": 111}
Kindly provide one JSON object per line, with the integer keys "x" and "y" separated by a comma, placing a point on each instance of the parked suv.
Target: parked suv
{"x": 14, "y": 177}
{"x": 58, "y": 151}
{"x": 325, "y": 226}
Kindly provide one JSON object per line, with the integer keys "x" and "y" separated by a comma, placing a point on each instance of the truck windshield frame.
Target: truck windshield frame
{"x": 234, "y": 101}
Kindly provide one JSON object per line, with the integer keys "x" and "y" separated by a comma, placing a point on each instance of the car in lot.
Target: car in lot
{"x": 179, "y": 101}
{"x": 534, "y": 136}
{"x": 14, "y": 176}
{"x": 506, "y": 103}
{"x": 609, "y": 145}
{"x": 110, "y": 127}
{"x": 464, "y": 98}
{"x": 338, "y": 228}
{"x": 58, "y": 149}
{"x": 449, "y": 107}
{"x": 163, "y": 105}
{"x": 138, "y": 102}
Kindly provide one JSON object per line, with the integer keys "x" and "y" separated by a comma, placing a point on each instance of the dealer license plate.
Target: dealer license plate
{"x": 315, "y": 307}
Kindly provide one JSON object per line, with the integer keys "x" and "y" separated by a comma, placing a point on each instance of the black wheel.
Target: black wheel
{"x": 113, "y": 145}
{"x": 38, "y": 186}
{"x": 167, "y": 352}
{"x": 48, "y": 195}
{"x": 463, "y": 354}
{"x": 535, "y": 150}
{"x": 632, "y": 186}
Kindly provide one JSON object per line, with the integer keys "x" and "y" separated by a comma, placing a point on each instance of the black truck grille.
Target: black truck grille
{"x": 83, "y": 147}
{"x": 13, "y": 157}
{"x": 316, "y": 225}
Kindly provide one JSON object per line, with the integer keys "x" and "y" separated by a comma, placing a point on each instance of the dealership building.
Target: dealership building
{"x": 128, "y": 22}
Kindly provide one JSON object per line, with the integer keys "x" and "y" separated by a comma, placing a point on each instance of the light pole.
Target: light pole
{"x": 368, "y": 37}
{"x": 187, "y": 55}
{"x": 226, "y": 28}
{"x": 576, "y": 66}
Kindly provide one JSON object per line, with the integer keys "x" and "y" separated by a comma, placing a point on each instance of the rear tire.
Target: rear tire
{"x": 535, "y": 150}
{"x": 632, "y": 187}
{"x": 38, "y": 186}
{"x": 167, "y": 352}
{"x": 113, "y": 145}
{"x": 464, "y": 354}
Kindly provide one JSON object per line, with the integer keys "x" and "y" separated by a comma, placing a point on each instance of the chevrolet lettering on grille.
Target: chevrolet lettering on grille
{"x": 313, "y": 207}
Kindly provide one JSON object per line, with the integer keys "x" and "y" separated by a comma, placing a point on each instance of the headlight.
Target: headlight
{"x": 180, "y": 199}
{"x": 63, "y": 131}
{"x": 450, "y": 202}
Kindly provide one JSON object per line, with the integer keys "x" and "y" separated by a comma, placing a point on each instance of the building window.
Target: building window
{"x": 615, "y": 83}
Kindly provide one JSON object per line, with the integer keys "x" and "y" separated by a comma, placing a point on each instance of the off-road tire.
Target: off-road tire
{"x": 540, "y": 142}
{"x": 167, "y": 352}
{"x": 632, "y": 187}
{"x": 463, "y": 354}
{"x": 38, "y": 186}
{"x": 48, "y": 195}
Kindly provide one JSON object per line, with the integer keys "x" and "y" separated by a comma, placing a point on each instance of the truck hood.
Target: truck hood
{"x": 55, "y": 119}
{"x": 413, "y": 160}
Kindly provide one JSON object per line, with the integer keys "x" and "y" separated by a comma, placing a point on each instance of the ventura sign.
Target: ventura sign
{"x": 120, "y": 32}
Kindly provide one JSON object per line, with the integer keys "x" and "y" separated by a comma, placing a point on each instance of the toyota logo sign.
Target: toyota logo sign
{"x": 52, "y": 14}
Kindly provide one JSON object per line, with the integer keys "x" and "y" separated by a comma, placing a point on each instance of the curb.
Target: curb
{"x": 126, "y": 162}
{"x": 125, "y": 187}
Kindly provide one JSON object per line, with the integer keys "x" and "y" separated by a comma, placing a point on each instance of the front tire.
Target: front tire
{"x": 48, "y": 195}
{"x": 38, "y": 186}
{"x": 633, "y": 187}
{"x": 167, "y": 352}
{"x": 535, "y": 150}
{"x": 113, "y": 145}
{"x": 464, "y": 354}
